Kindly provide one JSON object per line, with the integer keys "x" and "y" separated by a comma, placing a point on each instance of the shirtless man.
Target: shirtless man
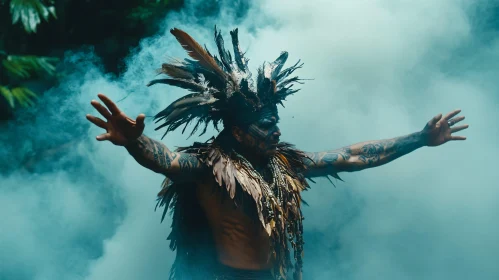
{"x": 236, "y": 199}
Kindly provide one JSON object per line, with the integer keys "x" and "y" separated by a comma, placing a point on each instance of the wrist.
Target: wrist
{"x": 421, "y": 138}
{"x": 132, "y": 143}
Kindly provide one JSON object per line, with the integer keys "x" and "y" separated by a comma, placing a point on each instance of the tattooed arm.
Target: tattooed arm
{"x": 123, "y": 131}
{"x": 375, "y": 153}
{"x": 362, "y": 155}
{"x": 157, "y": 157}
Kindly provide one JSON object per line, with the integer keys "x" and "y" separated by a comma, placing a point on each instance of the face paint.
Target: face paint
{"x": 263, "y": 135}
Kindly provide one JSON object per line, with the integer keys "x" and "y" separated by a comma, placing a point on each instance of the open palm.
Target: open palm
{"x": 439, "y": 130}
{"x": 120, "y": 129}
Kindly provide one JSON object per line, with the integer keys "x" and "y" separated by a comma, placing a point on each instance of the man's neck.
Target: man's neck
{"x": 257, "y": 160}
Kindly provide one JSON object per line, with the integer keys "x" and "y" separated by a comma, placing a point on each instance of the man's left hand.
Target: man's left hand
{"x": 439, "y": 130}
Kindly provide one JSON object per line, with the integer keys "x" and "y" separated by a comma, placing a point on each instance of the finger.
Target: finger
{"x": 102, "y": 110}
{"x": 130, "y": 120}
{"x": 140, "y": 119}
{"x": 102, "y": 137}
{"x": 110, "y": 104}
{"x": 97, "y": 121}
{"x": 456, "y": 120}
{"x": 452, "y": 114}
{"x": 457, "y": 138}
{"x": 458, "y": 128}
{"x": 435, "y": 120}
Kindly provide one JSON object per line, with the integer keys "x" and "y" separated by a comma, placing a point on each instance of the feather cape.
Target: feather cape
{"x": 277, "y": 205}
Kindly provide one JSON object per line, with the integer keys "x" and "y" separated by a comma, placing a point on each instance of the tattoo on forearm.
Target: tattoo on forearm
{"x": 370, "y": 153}
{"x": 141, "y": 148}
{"x": 379, "y": 152}
{"x": 159, "y": 155}
{"x": 362, "y": 155}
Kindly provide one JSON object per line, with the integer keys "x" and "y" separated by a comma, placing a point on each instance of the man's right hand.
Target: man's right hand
{"x": 120, "y": 129}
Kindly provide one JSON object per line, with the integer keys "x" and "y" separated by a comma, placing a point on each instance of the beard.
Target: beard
{"x": 267, "y": 148}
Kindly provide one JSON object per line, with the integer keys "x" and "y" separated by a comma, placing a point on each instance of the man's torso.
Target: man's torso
{"x": 241, "y": 241}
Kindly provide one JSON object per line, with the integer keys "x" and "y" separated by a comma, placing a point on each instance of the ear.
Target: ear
{"x": 237, "y": 133}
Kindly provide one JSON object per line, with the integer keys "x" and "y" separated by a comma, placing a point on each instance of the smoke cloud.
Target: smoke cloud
{"x": 379, "y": 69}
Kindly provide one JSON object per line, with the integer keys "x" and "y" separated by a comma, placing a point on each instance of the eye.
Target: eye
{"x": 266, "y": 125}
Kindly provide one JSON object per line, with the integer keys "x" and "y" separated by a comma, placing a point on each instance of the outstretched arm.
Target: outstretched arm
{"x": 362, "y": 155}
{"x": 375, "y": 153}
{"x": 123, "y": 131}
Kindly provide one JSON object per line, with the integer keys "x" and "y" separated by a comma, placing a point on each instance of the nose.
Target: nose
{"x": 277, "y": 133}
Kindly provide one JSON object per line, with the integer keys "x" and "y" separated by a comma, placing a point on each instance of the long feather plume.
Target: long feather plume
{"x": 197, "y": 52}
{"x": 175, "y": 71}
{"x": 186, "y": 84}
{"x": 225, "y": 56}
{"x": 238, "y": 54}
{"x": 193, "y": 99}
{"x": 278, "y": 64}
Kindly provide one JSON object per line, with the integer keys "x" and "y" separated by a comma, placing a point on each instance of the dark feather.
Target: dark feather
{"x": 224, "y": 55}
{"x": 290, "y": 81}
{"x": 214, "y": 57}
{"x": 198, "y": 123}
{"x": 335, "y": 175}
{"x": 175, "y": 71}
{"x": 304, "y": 202}
{"x": 197, "y": 52}
{"x": 288, "y": 71}
{"x": 238, "y": 55}
{"x": 186, "y": 84}
{"x": 182, "y": 116}
{"x": 193, "y": 99}
{"x": 278, "y": 64}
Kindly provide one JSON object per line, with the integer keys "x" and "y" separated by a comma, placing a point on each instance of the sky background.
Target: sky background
{"x": 380, "y": 69}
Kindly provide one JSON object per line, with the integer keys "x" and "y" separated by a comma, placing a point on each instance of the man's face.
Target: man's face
{"x": 262, "y": 136}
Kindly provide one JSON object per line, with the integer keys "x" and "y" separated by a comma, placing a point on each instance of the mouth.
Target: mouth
{"x": 274, "y": 145}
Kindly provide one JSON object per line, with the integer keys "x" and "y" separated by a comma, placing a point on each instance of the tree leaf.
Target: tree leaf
{"x": 24, "y": 66}
{"x": 5, "y": 92}
{"x": 31, "y": 13}
{"x": 24, "y": 96}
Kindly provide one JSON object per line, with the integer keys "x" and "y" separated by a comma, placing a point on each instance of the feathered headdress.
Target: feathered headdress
{"x": 222, "y": 89}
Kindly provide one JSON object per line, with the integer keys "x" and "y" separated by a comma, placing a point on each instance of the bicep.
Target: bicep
{"x": 181, "y": 165}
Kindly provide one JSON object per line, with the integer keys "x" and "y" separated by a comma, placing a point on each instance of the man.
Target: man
{"x": 236, "y": 199}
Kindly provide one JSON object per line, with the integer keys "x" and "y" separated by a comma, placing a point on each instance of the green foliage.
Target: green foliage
{"x": 21, "y": 95}
{"x": 125, "y": 22}
{"x": 20, "y": 68}
{"x": 31, "y": 12}
{"x": 23, "y": 67}
{"x": 148, "y": 9}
